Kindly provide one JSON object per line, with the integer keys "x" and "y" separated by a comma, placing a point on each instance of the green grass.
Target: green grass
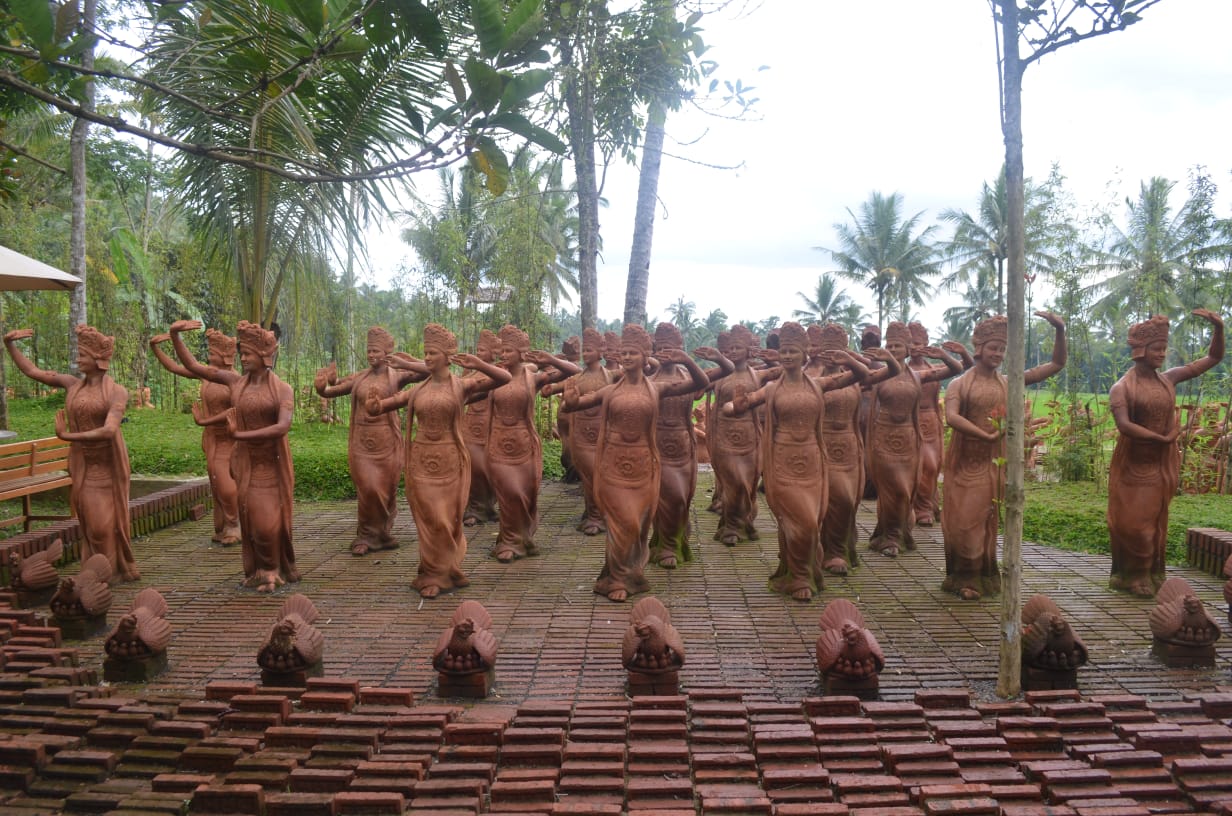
{"x": 1070, "y": 516}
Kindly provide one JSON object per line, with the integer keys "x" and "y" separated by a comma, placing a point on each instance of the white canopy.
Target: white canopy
{"x": 19, "y": 273}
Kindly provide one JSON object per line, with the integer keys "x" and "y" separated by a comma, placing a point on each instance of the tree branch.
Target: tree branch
{"x": 15, "y": 149}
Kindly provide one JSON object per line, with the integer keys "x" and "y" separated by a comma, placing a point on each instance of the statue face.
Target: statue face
{"x": 991, "y": 353}
{"x": 86, "y": 363}
{"x": 1157, "y": 353}
{"x": 215, "y": 358}
{"x": 738, "y": 353}
{"x": 376, "y": 355}
{"x": 632, "y": 358}
{"x": 250, "y": 361}
{"x": 510, "y": 355}
{"x": 591, "y": 356}
{"x": 435, "y": 358}
{"x": 898, "y": 348}
{"x": 791, "y": 356}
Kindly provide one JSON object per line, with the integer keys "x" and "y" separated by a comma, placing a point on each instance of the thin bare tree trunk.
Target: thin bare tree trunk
{"x": 1009, "y": 675}
{"x": 77, "y": 229}
{"x": 638, "y": 284}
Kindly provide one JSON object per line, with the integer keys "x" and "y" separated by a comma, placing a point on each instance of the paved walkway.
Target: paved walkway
{"x": 749, "y": 733}
{"x": 558, "y": 640}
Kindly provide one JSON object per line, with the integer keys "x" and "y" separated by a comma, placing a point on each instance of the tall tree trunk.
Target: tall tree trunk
{"x": 643, "y": 221}
{"x": 77, "y": 229}
{"x": 1009, "y": 680}
{"x": 579, "y": 48}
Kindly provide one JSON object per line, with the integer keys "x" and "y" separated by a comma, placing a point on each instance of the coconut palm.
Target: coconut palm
{"x": 979, "y": 301}
{"x": 981, "y": 242}
{"x": 890, "y": 255}
{"x": 1156, "y": 253}
{"x": 830, "y": 304}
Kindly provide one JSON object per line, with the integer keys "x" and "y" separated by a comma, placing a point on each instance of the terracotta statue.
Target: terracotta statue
{"x": 892, "y": 446}
{"x": 1145, "y": 466}
{"x": 870, "y": 338}
{"x": 98, "y": 461}
{"x": 294, "y": 645}
{"x": 1184, "y": 632}
{"x": 932, "y": 437}
{"x": 88, "y": 594}
{"x": 142, "y": 632}
{"x": 628, "y": 458}
{"x": 210, "y": 412}
{"x": 611, "y": 352}
{"x": 374, "y": 445}
{"x": 481, "y": 506}
{"x": 848, "y": 655}
{"x": 438, "y": 468}
{"x": 844, "y": 450}
{"x": 468, "y": 644}
{"x": 35, "y": 576}
{"x": 793, "y": 457}
{"x": 258, "y": 420}
{"x": 1049, "y": 644}
{"x": 669, "y": 536}
{"x": 570, "y": 351}
{"x": 515, "y": 455}
{"x": 584, "y": 426}
{"x": 975, "y": 406}
{"x": 735, "y": 443}
{"x": 651, "y": 644}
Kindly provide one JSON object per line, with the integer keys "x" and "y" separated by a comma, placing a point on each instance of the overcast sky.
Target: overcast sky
{"x": 901, "y": 96}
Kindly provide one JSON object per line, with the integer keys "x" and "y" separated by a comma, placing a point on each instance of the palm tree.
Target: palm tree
{"x": 830, "y": 305}
{"x": 1157, "y": 252}
{"x": 684, "y": 316}
{"x": 980, "y": 242}
{"x": 979, "y": 301}
{"x": 886, "y": 253}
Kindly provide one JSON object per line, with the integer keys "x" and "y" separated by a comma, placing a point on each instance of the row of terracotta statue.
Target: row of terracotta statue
{"x": 811, "y": 419}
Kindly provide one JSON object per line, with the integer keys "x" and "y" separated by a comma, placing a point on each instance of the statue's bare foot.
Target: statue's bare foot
{"x": 505, "y": 556}
{"x": 1140, "y": 588}
{"x": 359, "y": 548}
{"x": 590, "y": 527}
{"x": 890, "y": 551}
{"x": 730, "y": 539}
{"x": 429, "y": 591}
{"x": 968, "y": 594}
{"x": 618, "y": 595}
{"x": 668, "y": 562}
{"x": 470, "y": 520}
{"x": 835, "y": 566}
{"x": 803, "y": 595}
{"x": 924, "y": 521}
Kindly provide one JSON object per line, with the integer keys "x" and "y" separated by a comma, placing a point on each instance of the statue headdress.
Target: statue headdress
{"x": 381, "y": 339}
{"x": 667, "y": 335}
{"x": 996, "y": 327}
{"x": 898, "y": 331}
{"x": 488, "y": 340}
{"x": 870, "y": 336}
{"x": 833, "y": 337}
{"x": 592, "y": 340}
{"x": 744, "y": 335}
{"x": 438, "y": 337}
{"x": 636, "y": 336}
{"x": 919, "y": 334}
{"x": 221, "y": 344}
{"x": 260, "y": 340}
{"x": 571, "y": 349}
{"x": 1143, "y": 334}
{"x": 511, "y": 335}
{"x": 96, "y": 344}
{"x": 792, "y": 333}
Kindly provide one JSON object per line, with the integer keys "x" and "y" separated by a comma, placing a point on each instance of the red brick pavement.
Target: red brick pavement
{"x": 748, "y": 733}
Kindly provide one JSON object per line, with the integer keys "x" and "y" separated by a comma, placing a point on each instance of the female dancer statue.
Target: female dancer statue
{"x": 258, "y": 419}
{"x": 628, "y": 457}
{"x": 1145, "y": 467}
{"x": 735, "y": 443}
{"x": 794, "y": 458}
{"x": 374, "y": 446}
{"x": 210, "y": 412}
{"x": 97, "y": 460}
{"x": 515, "y": 455}
{"x": 893, "y": 441}
{"x": 438, "y": 469}
{"x": 975, "y": 460}
{"x": 476, "y": 424}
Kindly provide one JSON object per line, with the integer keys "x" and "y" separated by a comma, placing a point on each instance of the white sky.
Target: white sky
{"x": 901, "y": 95}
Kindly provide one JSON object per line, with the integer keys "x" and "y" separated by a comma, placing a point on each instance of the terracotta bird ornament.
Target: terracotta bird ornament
{"x": 294, "y": 644}
{"x": 143, "y": 631}
{"x": 88, "y": 594}
{"x": 1048, "y": 642}
{"x": 846, "y": 648}
{"x": 468, "y": 644}
{"x": 651, "y": 643}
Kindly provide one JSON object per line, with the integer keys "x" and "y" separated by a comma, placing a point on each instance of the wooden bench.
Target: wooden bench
{"x": 32, "y": 467}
